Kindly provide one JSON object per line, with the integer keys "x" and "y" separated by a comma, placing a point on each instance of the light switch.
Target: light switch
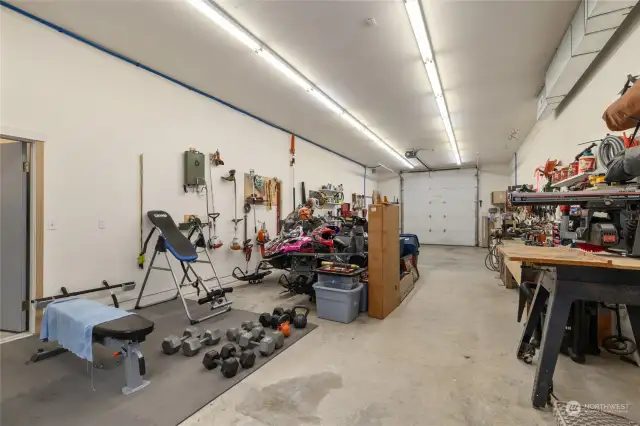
{"x": 101, "y": 224}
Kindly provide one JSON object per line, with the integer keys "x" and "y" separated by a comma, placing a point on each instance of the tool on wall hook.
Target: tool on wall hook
{"x": 235, "y": 243}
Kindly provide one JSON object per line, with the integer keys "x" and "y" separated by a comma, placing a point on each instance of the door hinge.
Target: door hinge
{"x": 25, "y": 305}
{"x": 25, "y": 166}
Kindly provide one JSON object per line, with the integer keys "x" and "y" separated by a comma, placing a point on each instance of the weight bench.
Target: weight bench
{"x": 78, "y": 323}
{"x": 171, "y": 240}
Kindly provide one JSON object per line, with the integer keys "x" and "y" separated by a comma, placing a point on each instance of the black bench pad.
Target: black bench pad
{"x": 132, "y": 327}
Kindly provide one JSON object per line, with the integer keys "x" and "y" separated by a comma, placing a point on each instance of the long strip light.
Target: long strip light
{"x": 212, "y": 11}
{"x": 419, "y": 26}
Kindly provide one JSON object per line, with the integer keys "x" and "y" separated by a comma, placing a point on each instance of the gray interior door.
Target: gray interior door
{"x": 13, "y": 236}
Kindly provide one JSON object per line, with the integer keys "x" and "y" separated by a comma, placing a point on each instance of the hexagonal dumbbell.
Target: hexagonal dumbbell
{"x": 171, "y": 344}
{"x": 266, "y": 345}
{"x": 228, "y": 367}
{"x": 192, "y": 345}
{"x": 233, "y": 334}
{"x": 247, "y": 357}
{"x": 278, "y": 338}
{"x": 258, "y": 332}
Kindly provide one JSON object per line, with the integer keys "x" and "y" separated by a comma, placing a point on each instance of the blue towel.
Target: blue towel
{"x": 71, "y": 321}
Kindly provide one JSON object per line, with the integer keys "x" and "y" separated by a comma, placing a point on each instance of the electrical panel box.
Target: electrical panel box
{"x": 194, "y": 168}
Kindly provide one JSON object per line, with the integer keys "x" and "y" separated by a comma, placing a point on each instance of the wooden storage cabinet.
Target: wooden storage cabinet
{"x": 384, "y": 259}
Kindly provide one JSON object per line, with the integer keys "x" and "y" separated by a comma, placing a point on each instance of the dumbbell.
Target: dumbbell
{"x": 266, "y": 345}
{"x": 278, "y": 338}
{"x": 247, "y": 357}
{"x": 228, "y": 367}
{"x": 192, "y": 345}
{"x": 233, "y": 334}
{"x": 249, "y": 325}
{"x": 171, "y": 344}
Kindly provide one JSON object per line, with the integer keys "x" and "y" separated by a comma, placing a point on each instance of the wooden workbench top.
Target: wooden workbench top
{"x": 567, "y": 256}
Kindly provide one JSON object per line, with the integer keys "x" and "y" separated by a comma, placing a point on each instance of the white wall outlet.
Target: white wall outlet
{"x": 102, "y": 224}
{"x": 52, "y": 225}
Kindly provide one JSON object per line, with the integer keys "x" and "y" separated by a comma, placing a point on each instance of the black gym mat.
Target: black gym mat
{"x": 58, "y": 391}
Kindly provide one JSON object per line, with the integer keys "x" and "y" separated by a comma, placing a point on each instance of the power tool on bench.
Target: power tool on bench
{"x": 609, "y": 217}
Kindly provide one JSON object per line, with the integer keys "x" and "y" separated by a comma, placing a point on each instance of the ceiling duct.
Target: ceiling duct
{"x": 592, "y": 26}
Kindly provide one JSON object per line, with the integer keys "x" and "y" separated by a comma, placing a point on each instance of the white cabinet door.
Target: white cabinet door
{"x": 440, "y": 207}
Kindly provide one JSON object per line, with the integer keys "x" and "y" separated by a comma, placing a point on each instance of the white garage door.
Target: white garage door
{"x": 440, "y": 207}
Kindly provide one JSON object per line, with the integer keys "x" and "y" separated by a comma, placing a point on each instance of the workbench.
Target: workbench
{"x": 511, "y": 274}
{"x": 571, "y": 275}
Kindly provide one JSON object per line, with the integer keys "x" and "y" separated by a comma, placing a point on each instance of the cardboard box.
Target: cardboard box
{"x": 499, "y": 197}
{"x": 406, "y": 285}
{"x": 384, "y": 259}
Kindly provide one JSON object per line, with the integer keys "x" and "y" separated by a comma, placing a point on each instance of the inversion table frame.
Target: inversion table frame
{"x": 170, "y": 238}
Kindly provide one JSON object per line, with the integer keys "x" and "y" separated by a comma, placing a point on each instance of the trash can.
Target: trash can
{"x": 335, "y": 304}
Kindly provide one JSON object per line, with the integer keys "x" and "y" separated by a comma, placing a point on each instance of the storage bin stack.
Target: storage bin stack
{"x": 338, "y": 294}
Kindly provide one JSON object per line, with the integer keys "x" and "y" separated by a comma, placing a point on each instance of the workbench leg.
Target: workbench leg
{"x": 554, "y": 328}
{"x": 535, "y": 313}
{"x": 634, "y": 319}
{"x": 578, "y": 333}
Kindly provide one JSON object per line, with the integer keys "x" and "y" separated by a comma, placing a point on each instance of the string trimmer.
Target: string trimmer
{"x": 214, "y": 241}
{"x": 247, "y": 247}
{"x": 235, "y": 243}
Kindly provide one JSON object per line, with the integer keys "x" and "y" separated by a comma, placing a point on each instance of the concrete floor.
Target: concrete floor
{"x": 6, "y": 334}
{"x": 446, "y": 356}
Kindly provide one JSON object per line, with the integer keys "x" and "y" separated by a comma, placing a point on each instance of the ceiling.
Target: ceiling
{"x": 492, "y": 56}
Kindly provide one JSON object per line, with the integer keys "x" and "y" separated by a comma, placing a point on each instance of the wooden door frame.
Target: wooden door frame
{"x": 36, "y": 224}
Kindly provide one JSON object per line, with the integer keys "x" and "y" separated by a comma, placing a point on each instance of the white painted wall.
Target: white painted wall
{"x": 96, "y": 114}
{"x": 493, "y": 177}
{"x": 389, "y": 186}
{"x": 557, "y": 136}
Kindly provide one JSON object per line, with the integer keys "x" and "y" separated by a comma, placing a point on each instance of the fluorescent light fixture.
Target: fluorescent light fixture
{"x": 434, "y": 78}
{"x": 452, "y": 140}
{"x": 355, "y": 123}
{"x": 419, "y": 29}
{"x": 370, "y": 135}
{"x": 211, "y": 10}
{"x": 284, "y": 69}
{"x": 419, "y": 26}
{"x": 382, "y": 144}
{"x": 326, "y": 101}
{"x": 442, "y": 107}
{"x": 223, "y": 21}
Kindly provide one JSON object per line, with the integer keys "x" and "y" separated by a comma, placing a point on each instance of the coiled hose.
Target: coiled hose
{"x": 610, "y": 146}
{"x": 493, "y": 259}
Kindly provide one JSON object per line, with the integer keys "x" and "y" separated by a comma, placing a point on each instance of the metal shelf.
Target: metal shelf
{"x": 328, "y": 191}
{"x": 328, "y": 204}
{"x": 570, "y": 181}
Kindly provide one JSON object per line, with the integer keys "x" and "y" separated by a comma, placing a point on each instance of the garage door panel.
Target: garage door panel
{"x": 440, "y": 207}
{"x": 441, "y": 237}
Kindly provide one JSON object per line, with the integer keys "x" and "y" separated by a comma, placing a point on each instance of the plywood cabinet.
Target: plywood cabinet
{"x": 384, "y": 259}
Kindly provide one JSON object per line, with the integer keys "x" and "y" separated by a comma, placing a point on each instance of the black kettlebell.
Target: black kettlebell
{"x": 299, "y": 320}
